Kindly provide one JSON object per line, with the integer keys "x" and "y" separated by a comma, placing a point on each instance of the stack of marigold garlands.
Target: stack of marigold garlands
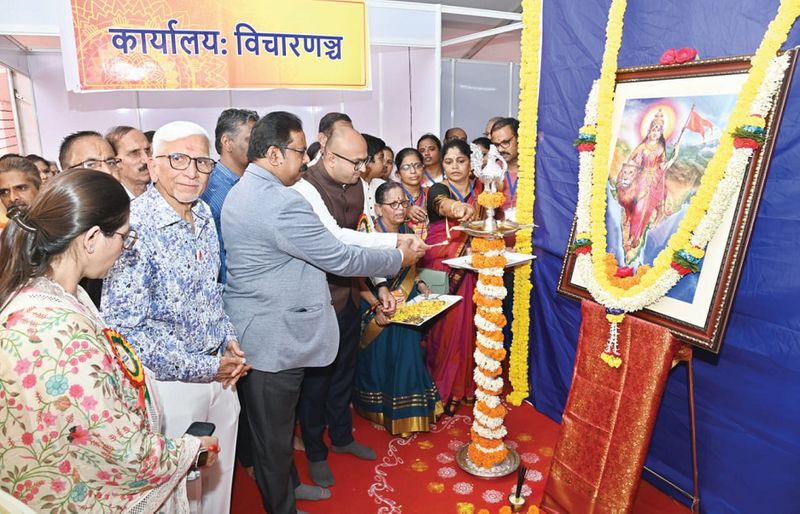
{"x": 487, "y": 448}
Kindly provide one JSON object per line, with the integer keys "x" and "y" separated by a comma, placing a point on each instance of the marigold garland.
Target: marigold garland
{"x": 486, "y": 443}
{"x": 490, "y": 280}
{"x": 482, "y": 301}
{"x": 528, "y": 114}
{"x": 492, "y": 373}
{"x": 491, "y": 200}
{"x": 494, "y": 336}
{"x": 484, "y": 246}
{"x": 482, "y": 261}
{"x": 618, "y": 289}
{"x": 496, "y": 412}
{"x": 497, "y": 355}
{"x": 486, "y": 448}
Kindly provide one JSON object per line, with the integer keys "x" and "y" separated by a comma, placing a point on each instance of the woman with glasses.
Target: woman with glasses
{"x": 80, "y": 426}
{"x": 451, "y": 340}
{"x": 410, "y": 172}
{"x": 430, "y": 148}
{"x": 393, "y": 388}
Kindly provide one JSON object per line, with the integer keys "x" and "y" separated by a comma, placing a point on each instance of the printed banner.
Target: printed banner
{"x": 206, "y": 44}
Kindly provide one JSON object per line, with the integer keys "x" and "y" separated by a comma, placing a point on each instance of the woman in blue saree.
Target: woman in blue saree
{"x": 393, "y": 388}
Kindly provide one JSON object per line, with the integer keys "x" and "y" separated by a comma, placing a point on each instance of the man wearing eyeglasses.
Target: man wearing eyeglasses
{"x": 336, "y": 187}
{"x": 504, "y": 137}
{"x": 164, "y": 296}
{"x": 278, "y": 297}
{"x": 88, "y": 149}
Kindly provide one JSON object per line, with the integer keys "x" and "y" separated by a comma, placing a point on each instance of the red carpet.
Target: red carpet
{"x": 419, "y": 475}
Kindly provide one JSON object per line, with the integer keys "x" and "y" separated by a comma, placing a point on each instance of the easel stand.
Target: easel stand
{"x": 685, "y": 355}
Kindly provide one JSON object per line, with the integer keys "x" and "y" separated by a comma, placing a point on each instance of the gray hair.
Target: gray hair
{"x": 176, "y": 130}
{"x": 229, "y": 123}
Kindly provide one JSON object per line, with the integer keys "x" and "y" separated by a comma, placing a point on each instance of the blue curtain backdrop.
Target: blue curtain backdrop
{"x": 748, "y": 419}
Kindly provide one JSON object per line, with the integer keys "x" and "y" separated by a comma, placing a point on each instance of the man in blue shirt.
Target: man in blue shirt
{"x": 231, "y": 138}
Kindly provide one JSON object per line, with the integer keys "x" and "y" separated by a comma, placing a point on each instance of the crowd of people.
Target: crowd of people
{"x": 147, "y": 286}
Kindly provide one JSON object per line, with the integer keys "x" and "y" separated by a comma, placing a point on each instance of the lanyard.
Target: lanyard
{"x": 380, "y": 222}
{"x": 460, "y": 197}
{"x": 420, "y": 201}
{"x": 428, "y": 175}
{"x": 512, "y": 188}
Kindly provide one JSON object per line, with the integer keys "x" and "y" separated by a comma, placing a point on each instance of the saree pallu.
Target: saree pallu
{"x": 451, "y": 339}
{"x": 392, "y": 387}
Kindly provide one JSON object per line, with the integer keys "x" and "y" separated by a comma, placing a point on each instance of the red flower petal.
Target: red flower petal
{"x": 743, "y": 142}
{"x": 624, "y": 271}
{"x": 668, "y": 57}
{"x": 680, "y": 269}
{"x": 685, "y": 55}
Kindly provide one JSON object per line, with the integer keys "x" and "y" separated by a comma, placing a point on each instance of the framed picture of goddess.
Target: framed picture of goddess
{"x": 666, "y": 127}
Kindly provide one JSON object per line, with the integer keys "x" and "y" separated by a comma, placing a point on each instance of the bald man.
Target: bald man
{"x": 455, "y": 133}
{"x": 487, "y": 132}
{"x": 326, "y": 393}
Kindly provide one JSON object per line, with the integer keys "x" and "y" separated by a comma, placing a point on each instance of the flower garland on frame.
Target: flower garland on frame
{"x": 719, "y": 185}
{"x": 528, "y": 114}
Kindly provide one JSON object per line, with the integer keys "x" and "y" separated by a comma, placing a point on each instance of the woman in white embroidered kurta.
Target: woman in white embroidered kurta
{"x": 78, "y": 429}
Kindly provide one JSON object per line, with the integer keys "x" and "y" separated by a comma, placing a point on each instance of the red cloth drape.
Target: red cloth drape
{"x": 609, "y": 416}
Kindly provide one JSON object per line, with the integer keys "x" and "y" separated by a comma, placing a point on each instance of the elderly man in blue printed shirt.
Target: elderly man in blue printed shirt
{"x": 164, "y": 296}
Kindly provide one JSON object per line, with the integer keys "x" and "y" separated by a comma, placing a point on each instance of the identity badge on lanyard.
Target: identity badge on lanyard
{"x": 512, "y": 187}
{"x": 459, "y": 195}
{"x": 420, "y": 201}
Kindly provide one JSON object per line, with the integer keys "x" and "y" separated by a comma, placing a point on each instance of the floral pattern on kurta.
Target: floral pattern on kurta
{"x": 72, "y": 438}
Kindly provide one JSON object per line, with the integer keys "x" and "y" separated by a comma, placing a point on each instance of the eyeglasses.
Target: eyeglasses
{"x": 410, "y": 166}
{"x": 301, "y": 151}
{"x": 128, "y": 238}
{"x": 96, "y": 164}
{"x": 396, "y": 205}
{"x": 181, "y": 161}
{"x": 357, "y": 165}
{"x": 504, "y": 143}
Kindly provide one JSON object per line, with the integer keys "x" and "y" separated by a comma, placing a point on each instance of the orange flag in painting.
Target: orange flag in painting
{"x": 698, "y": 124}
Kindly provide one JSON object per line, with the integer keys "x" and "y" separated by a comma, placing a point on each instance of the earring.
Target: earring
{"x": 90, "y": 250}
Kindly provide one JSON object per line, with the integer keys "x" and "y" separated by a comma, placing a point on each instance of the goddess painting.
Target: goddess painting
{"x": 641, "y": 187}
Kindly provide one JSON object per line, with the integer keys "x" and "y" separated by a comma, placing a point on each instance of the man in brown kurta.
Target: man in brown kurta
{"x": 325, "y": 398}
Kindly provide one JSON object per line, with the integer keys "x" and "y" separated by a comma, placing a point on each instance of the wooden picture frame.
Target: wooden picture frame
{"x": 697, "y": 309}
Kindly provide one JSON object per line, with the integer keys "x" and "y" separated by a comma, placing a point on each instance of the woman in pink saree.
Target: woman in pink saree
{"x": 451, "y": 340}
